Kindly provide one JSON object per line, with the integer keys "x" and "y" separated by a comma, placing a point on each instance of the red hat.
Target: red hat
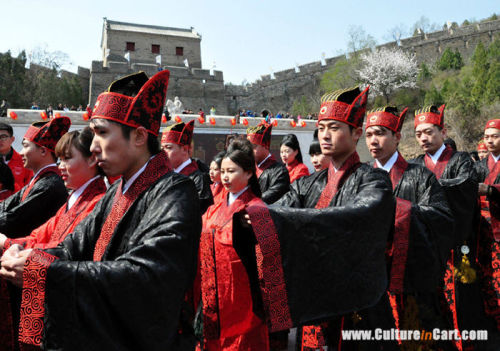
{"x": 430, "y": 114}
{"x": 493, "y": 123}
{"x": 178, "y": 133}
{"x": 481, "y": 146}
{"x": 386, "y": 117}
{"x": 47, "y": 134}
{"x": 348, "y": 106}
{"x": 135, "y": 101}
{"x": 260, "y": 134}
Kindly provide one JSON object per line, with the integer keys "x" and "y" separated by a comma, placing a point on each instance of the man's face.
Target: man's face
{"x": 113, "y": 151}
{"x": 31, "y": 155}
{"x": 336, "y": 139}
{"x": 492, "y": 140}
{"x": 429, "y": 137}
{"x": 259, "y": 152}
{"x": 381, "y": 142}
{"x": 5, "y": 142}
{"x": 176, "y": 154}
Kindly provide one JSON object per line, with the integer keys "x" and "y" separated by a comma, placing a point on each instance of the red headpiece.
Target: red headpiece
{"x": 135, "y": 101}
{"x": 386, "y": 117}
{"x": 348, "y": 106}
{"x": 481, "y": 146}
{"x": 430, "y": 114}
{"x": 178, "y": 133}
{"x": 47, "y": 134}
{"x": 260, "y": 134}
{"x": 493, "y": 123}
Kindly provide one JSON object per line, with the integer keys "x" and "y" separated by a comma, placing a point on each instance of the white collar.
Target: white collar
{"x": 260, "y": 164}
{"x": 232, "y": 197}
{"x": 438, "y": 153}
{"x": 76, "y": 194}
{"x": 134, "y": 177}
{"x": 183, "y": 165}
{"x": 388, "y": 165}
{"x": 495, "y": 157}
{"x": 41, "y": 169}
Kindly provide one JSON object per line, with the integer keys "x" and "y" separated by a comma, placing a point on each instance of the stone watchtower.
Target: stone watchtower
{"x": 130, "y": 47}
{"x": 145, "y": 42}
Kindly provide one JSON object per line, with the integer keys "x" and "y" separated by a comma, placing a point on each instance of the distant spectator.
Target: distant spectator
{"x": 22, "y": 176}
{"x": 201, "y": 113}
{"x": 80, "y": 108}
{"x": 50, "y": 112}
{"x": 34, "y": 106}
{"x": 72, "y": 108}
{"x": 212, "y": 111}
{"x": 279, "y": 115}
{"x": 3, "y": 108}
{"x": 60, "y": 106}
{"x": 65, "y": 108}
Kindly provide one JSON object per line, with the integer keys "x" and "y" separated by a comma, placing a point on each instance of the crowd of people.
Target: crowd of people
{"x": 154, "y": 250}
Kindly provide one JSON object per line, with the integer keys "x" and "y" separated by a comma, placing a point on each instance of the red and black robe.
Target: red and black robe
{"x": 489, "y": 239}
{"x": 324, "y": 254}
{"x": 456, "y": 173}
{"x": 202, "y": 183}
{"x": 274, "y": 181}
{"x": 119, "y": 280}
{"x": 229, "y": 320}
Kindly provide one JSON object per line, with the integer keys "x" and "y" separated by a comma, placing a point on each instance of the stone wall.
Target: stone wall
{"x": 195, "y": 87}
{"x": 278, "y": 94}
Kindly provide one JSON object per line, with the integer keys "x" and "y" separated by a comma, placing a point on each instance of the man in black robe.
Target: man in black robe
{"x": 273, "y": 176}
{"x": 175, "y": 142}
{"x": 456, "y": 174}
{"x": 40, "y": 199}
{"x": 119, "y": 280}
{"x": 488, "y": 170}
{"x": 321, "y": 252}
{"x": 423, "y": 222}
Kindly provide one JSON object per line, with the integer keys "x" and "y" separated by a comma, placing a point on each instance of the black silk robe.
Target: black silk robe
{"x": 131, "y": 300}
{"x": 18, "y": 218}
{"x": 274, "y": 182}
{"x": 202, "y": 183}
{"x": 332, "y": 260}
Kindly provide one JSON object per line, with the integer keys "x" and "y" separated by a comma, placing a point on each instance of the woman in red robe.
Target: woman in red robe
{"x": 81, "y": 174}
{"x": 229, "y": 321}
{"x": 214, "y": 173}
{"x": 292, "y": 157}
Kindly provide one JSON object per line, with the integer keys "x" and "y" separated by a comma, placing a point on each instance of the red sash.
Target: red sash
{"x": 440, "y": 165}
{"x": 190, "y": 168}
{"x": 157, "y": 167}
{"x": 45, "y": 171}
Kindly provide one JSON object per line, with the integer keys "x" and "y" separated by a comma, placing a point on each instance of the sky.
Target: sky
{"x": 245, "y": 39}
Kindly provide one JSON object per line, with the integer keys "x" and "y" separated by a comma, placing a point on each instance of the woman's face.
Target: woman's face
{"x": 288, "y": 154}
{"x": 233, "y": 177}
{"x": 214, "y": 172}
{"x": 319, "y": 161}
{"x": 76, "y": 169}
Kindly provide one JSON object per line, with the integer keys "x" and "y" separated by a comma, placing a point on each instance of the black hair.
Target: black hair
{"x": 6, "y": 176}
{"x": 291, "y": 141}
{"x": 229, "y": 139}
{"x": 314, "y": 148}
{"x": 451, "y": 143}
{"x": 218, "y": 158}
{"x": 7, "y": 127}
{"x": 240, "y": 151}
{"x": 153, "y": 141}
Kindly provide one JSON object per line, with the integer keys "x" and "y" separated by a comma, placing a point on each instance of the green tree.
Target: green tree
{"x": 450, "y": 60}
{"x": 341, "y": 76}
{"x": 301, "y": 106}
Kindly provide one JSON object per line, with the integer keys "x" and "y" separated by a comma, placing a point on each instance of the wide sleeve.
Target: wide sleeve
{"x": 18, "y": 218}
{"x": 202, "y": 183}
{"x": 279, "y": 184}
{"x": 315, "y": 264}
{"x": 461, "y": 193}
{"x": 133, "y": 300}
